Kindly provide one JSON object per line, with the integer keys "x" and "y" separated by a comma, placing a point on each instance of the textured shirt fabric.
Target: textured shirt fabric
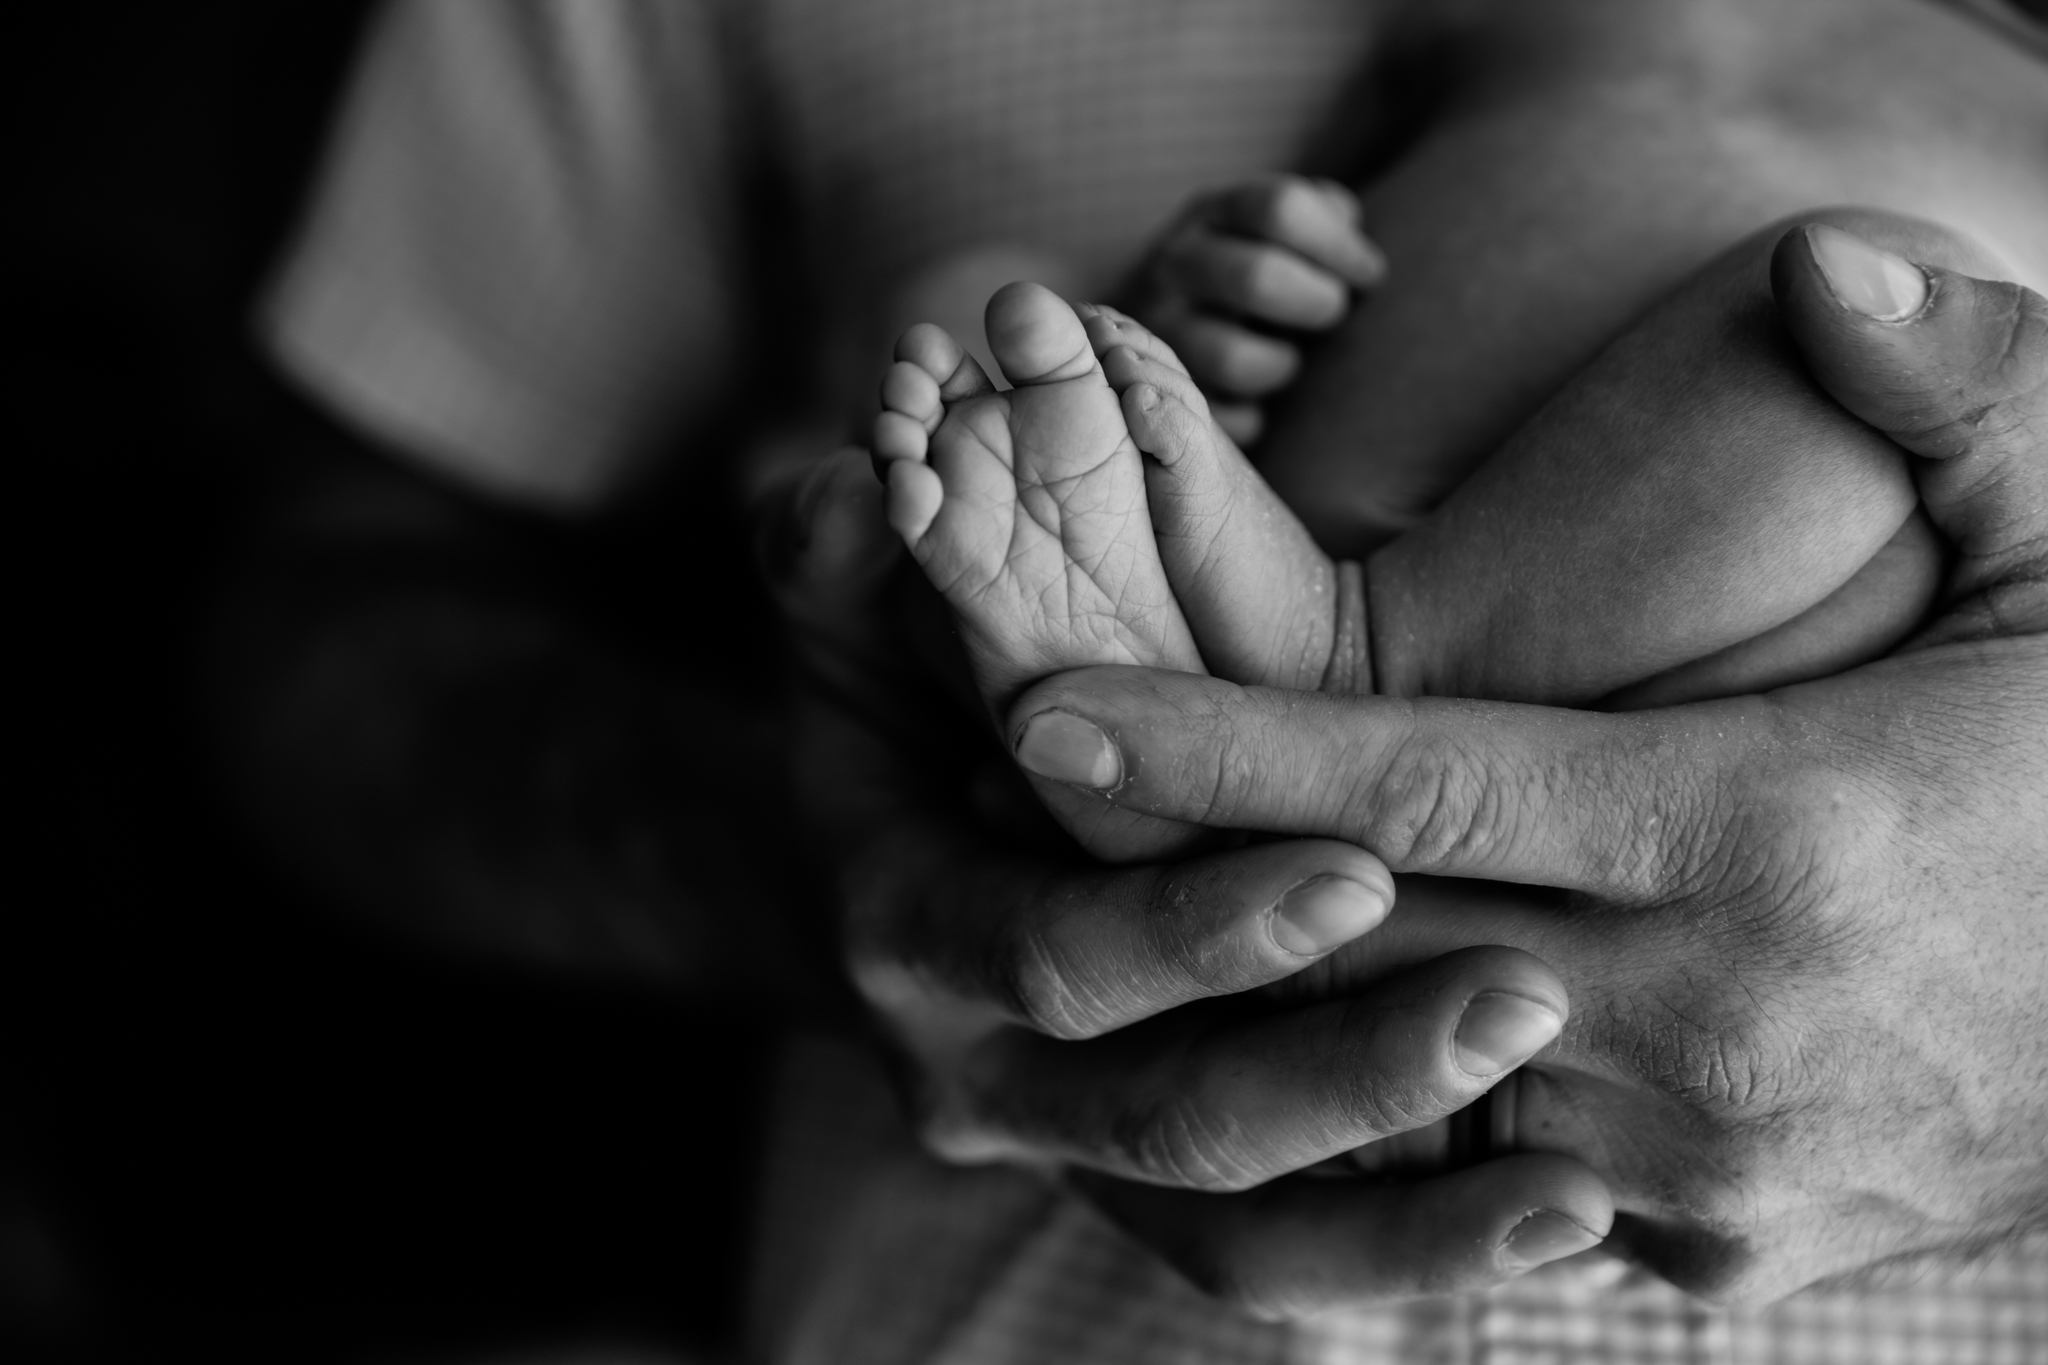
{"x": 528, "y": 260}
{"x": 532, "y": 265}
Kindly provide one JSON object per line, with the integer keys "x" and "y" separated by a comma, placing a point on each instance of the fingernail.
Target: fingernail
{"x": 1064, "y": 747}
{"x": 1544, "y": 1236}
{"x": 1500, "y": 1031}
{"x": 1323, "y": 912}
{"x": 1874, "y": 283}
{"x": 1148, "y": 398}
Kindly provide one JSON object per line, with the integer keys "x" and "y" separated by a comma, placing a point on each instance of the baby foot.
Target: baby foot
{"x": 1259, "y": 594}
{"x": 1026, "y": 508}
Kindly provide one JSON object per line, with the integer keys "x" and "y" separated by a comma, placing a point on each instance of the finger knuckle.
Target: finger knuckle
{"x": 1706, "y": 1040}
{"x": 1789, "y": 850}
{"x": 1181, "y": 938}
{"x": 1374, "y": 1107}
{"x": 1771, "y": 923}
{"x": 1433, "y": 801}
{"x": 1065, "y": 974}
{"x": 1042, "y": 992}
{"x": 1375, "y": 1101}
{"x": 1180, "y": 1139}
{"x": 1666, "y": 822}
{"x": 1232, "y": 777}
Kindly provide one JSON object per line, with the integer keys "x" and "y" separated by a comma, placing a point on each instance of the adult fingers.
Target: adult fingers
{"x": 941, "y": 921}
{"x": 1952, "y": 367}
{"x": 1302, "y": 1246}
{"x": 1628, "y": 806}
{"x": 934, "y": 907}
{"x": 1227, "y": 1097}
{"x": 1943, "y": 363}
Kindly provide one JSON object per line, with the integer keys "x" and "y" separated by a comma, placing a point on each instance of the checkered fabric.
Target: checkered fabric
{"x": 873, "y": 1254}
{"x": 529, "y": 266}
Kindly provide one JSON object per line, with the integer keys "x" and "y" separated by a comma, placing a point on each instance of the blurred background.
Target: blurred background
{"x": 233, "y": 1124}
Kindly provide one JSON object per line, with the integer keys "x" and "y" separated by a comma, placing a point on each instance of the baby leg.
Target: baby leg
{"x": 1690, "y": 516}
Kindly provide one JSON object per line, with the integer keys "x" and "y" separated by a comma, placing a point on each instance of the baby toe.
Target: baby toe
{"x": 1167, "y": 429}
{"x": 913, "y": 391}
{"x": 1109, "y": 328}
{"x": 914, "y": 497}
{"x": 935, "y": 351}
{"x": 898, "y": 437}
{"x": 1125, "y": 365}
{"x": 1037, "y": 338}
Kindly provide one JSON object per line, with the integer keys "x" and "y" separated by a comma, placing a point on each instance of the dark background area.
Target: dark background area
{"x": 231, "y": 1124}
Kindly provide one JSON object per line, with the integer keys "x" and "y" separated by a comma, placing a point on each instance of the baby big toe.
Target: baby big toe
{"x": 913, "y": 391}
{"x": 1036, "y": 336}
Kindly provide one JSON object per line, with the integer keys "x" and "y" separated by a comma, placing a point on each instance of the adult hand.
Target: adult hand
{"x": 1052, "y": 1011}
{"x": 1807, "y": 933}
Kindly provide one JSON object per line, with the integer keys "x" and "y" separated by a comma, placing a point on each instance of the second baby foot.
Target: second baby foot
{"x": 1259, "y": 594}
{"x": 1026, "y": 508}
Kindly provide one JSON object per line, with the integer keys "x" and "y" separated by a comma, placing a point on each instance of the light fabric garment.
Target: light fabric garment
{"x": 528, "y": 259}
{"x": 533, "y": 265}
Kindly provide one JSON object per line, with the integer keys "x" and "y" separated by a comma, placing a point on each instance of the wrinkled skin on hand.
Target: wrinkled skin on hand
{"x": 1804, "y": 928}
{"x": 1805, "y": 933}
{"x": 1052, "y": 1012}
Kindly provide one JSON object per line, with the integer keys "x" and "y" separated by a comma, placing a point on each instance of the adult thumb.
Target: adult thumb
{"x": 1953, "y": 368}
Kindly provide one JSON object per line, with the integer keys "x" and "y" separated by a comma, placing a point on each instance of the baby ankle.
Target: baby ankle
{"x": 1350, "y": 668}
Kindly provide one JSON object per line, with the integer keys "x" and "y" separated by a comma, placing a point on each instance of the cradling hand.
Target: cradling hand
{"x": 1056, "y": 1013}
{"x": 1805, "y": 932}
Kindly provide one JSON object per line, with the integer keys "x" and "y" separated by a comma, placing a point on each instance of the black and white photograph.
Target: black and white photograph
{"x": 1030, "y": 682}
